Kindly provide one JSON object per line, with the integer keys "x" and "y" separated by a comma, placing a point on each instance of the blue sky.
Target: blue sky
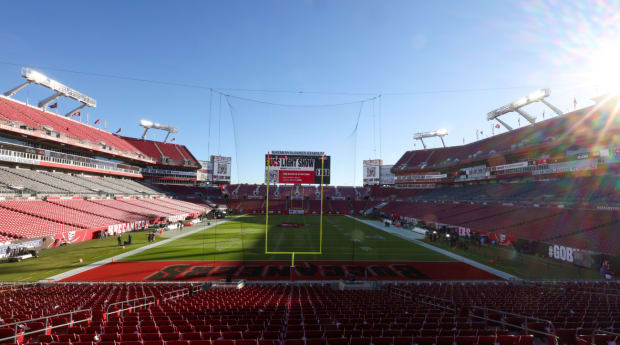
{"x": 437, "y": 64}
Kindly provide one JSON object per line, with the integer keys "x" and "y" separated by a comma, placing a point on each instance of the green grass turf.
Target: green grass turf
{"x": 344, "y": 239}
{"x": 53, "y": 261}
{"x": 244, "y": 239}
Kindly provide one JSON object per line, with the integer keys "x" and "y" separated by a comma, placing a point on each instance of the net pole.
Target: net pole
{"x": 321, "y": 214}
{"x": 267, "y": 207}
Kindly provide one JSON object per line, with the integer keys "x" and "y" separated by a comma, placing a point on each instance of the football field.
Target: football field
{"x": 243, "y": 239}
{"x": 242, "y": 248}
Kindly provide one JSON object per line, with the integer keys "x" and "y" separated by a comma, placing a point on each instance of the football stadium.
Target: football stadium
{"x": 110, "y": 237}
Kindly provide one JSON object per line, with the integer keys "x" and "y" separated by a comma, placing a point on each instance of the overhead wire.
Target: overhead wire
{"x": 230, "y": 89}
{"x": 231, "y": 110}
{"x": 295, "y": 105}
{"x": 354, "y": 136}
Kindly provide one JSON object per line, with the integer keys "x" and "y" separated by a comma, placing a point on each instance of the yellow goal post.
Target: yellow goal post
{"x": 292, "y": 253}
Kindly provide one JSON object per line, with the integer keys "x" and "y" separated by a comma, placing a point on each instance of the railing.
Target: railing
{"x": 130, "y": 304}
{"x": 599, "y": 332}
{"x": 400, "y": 293}
{"x": 61, "y": 158}
{"x": 436, "y": 302}
{"x": 551, "y": 334}
{"x": 175, "y": 294}
{"x": 187, "y": 291}
{"x": 48, "y": 326}
{"x": 13, "y": 285}
{"x": 613, "y": 293}
{"x": 607, "y": 295}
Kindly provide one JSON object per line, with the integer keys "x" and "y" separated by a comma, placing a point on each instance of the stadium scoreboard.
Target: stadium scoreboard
{"x": 297, "y": 167}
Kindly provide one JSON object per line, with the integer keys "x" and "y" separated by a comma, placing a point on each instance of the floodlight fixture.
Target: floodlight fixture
{"x": 146, "y": 123}
{"x": 61, "y": 90}
{"x": 149, "y": 124}
{"x": 516, "y": 106}
{"x": 431, "y": 134}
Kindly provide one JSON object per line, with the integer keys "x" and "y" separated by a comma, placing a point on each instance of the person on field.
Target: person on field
{"x": 606, "y": 270}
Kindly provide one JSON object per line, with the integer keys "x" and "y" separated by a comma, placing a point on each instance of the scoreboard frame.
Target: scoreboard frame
{"x": 298, "y": 167}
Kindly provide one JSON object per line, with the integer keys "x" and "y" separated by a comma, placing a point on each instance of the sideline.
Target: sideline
{"x": 414, "y": 237}
{"x": 92, "y": 265}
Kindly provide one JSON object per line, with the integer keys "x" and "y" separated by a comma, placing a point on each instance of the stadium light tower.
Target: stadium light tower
{"x": 149, "y": 124}
{"x": 438, "y": 133}
{"x": 34, "y": 77}
{"x": 516, "y": 106}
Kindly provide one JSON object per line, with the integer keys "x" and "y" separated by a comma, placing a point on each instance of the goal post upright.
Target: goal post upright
{"x": 267, "y": 207}
{"x": 321, "y": 212}
{"x": 292, "y": 253}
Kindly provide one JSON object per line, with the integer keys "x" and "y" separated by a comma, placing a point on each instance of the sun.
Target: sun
{"x": 602, "y": 68}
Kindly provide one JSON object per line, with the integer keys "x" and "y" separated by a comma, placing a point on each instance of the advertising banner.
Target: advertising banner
{"x": 372, "y": 171}
{"x": 221, "y": 169}
{"x": 387, "y": 177}
{"x": 297, "y": 168}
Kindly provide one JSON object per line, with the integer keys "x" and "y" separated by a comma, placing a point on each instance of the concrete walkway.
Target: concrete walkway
{"x": 181, "y": 234}
{"x": 415, "y": 237}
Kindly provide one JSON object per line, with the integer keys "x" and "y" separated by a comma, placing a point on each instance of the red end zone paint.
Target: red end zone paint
{"x": 280, "y": 270}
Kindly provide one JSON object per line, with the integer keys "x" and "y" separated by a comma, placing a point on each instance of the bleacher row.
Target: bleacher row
{"x": 37, "y": 119}
{"x": 13, "y": 180}
{"x": 245, "y": 191}
{"x": 587, "y": 229}
{"x": 315, "y": 315}
{"x": 589, "y": 126}
{"x": 583, "y": 190}
{"x": 37, "y": 218}
{"x": 32, "y": 118}
{"x": 158, "y": 150}
{"x": 577, "y": 228}
{"x": 329, "y": 206}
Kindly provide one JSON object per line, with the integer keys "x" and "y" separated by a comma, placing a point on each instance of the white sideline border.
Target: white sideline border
{"x": 391, "y": 230}
{"x": 99, "y": 263}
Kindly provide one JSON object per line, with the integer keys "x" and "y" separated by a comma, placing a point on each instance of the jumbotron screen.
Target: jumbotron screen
{"x": 296, "y": 167}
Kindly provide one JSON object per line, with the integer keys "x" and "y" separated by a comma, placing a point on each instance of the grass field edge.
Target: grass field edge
{"x": 92, "y": 265}
{"x": 457, "y": 257}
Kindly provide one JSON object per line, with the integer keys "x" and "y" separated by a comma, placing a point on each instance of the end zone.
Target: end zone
{"x": 280, "y": 271}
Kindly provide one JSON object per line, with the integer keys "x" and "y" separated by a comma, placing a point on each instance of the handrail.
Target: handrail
{"x": 594, "y": 333}
{"x": 598, "y": 331}
{"x": 607, "y": 295}
{"x": 433, "y": 298}
{"x": 175, "y": 294}
{"x": 604, "y": 331}
{"x": 132, "y": 306}
{"x": 437, "y": 298}
{"x": 419, "y": 298}
{"x": 400, "y": 292}
{"x": 525, "y": 328}
{"x": 47, "y": 324}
